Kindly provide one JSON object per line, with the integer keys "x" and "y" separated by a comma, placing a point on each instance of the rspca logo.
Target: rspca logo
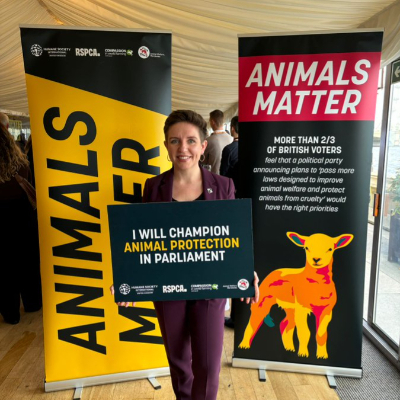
{"x": 36, "y": 50}
{"x": 124, "y": 289}
{"x": 243, "y": 284}
{"x": 82, "y": 52}
{"x": 174, "y": 289}
{"x": 144, "y": 52}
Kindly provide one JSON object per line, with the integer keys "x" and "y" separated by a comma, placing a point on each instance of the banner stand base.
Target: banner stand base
{"x": 331, "y": 381}
{"x": 80, "y": 383}
{"x": 262, "y": 375}
{"x": 78, "y": 393}
{"x": 154, "y": 382}
{"x": 330, "y": 372}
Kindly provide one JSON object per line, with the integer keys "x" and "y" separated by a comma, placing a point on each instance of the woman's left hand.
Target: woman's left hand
{"x": 256, "y": 291}
{"x": 123, "y": 303}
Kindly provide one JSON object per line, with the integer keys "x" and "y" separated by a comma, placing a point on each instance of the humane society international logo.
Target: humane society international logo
{"x": 124, "y": 289}
{"x": 36, "y": 50}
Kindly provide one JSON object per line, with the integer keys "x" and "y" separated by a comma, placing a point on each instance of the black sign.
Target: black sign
{"x": 182, "y": 250}
{"x": 396, "y": 72}
{"x": 79, "y": 50}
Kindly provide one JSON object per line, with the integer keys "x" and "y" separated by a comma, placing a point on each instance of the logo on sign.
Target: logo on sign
{"x": 82, "y": 52}
{"x": 143, "y": 52}
{"x": 124, "y": 288}
{"x": 36, "y": 50}
{"x": 243, "y": 284}
{"x": 174, "y": 289}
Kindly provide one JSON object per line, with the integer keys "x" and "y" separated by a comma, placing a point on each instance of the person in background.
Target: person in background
{"x": 216, "y": 142}
{"x": 19, "y": 268}
{"x": 21, "y": 142}
{"x": 192, "y": 330}
{"x": 230, "y": 157}
{"x": 4, "y": 120}
{"x": 229, "y": 169}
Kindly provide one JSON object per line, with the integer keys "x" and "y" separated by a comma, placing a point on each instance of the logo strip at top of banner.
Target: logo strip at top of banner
{"x": 88, "y": 59}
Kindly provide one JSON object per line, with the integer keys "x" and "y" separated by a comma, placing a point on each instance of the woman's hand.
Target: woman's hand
{"x": 256, "y": 291}
{"x": 121, "y": 303}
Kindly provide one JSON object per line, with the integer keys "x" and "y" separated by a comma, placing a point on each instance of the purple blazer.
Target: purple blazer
{"x": 215, "y": 187}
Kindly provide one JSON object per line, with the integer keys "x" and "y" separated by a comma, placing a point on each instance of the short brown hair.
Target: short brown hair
{"x": 188, "y": 116}
{"x": 235, "y": 123}
{"x": 217, "y": 116}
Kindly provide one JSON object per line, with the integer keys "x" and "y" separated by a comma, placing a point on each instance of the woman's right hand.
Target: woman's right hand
{"x": 256, "y": 297}
{"x": 121, "y": 303}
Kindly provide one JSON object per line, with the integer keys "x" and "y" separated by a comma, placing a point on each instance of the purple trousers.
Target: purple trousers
{"x": 193, "y": 333}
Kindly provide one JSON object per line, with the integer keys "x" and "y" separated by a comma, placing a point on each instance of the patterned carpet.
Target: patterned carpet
{"x": 381, "y": 379}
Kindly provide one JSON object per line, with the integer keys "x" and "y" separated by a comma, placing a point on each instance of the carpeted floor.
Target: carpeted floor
{"x": 381, "y": 379}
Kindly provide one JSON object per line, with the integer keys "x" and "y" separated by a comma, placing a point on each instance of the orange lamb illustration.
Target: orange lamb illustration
{"x": 300, "y": 292}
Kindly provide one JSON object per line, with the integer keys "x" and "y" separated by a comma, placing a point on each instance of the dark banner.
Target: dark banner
{"x": 119, "y": 60}
{"x": 98, "y": 100}
{"x": 306, "y": 113}
{"x": 182, "y": 250}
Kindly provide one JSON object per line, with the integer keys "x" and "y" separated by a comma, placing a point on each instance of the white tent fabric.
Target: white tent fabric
{"x": 12, "y": 79}
{"x": 204, "y": 70}
{"x": 390, "y": 20}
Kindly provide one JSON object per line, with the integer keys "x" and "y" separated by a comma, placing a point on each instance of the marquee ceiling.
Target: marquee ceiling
{"x": 204, "y": 66}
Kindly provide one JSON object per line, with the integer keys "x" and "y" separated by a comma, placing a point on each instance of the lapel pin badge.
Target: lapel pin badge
{"x": 209, "y": 190}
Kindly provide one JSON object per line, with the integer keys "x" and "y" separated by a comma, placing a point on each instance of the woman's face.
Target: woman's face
{"x": 184, "y": 145}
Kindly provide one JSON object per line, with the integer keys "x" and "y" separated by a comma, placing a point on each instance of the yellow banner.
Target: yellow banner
{"x": 90, "y": 151}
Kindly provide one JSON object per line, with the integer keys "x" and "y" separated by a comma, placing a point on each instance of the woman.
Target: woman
{"x": 192, "y": 330}
{"x": 20, "y": 274}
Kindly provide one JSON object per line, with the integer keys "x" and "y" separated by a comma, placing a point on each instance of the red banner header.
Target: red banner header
{"x": 308, "y": 87}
